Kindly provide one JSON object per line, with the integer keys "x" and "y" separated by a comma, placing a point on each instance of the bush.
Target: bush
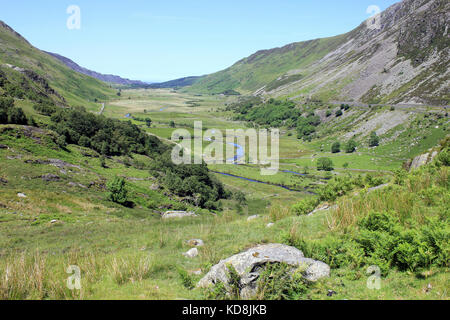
{"x": 374, "y": 140}
{"x": 339, "y": 113}
{"x": 5, "y": 105}
{"x": 45, "y": 109}
{"x": 239, "y": 196}
{"x": 383, "y": 241}
{"x": 84, "y": 142}
{"x": 336, "y": 187}
{"x": 336, "y": 147}
{"x": 350, "y": 147}
{"x": 304, "y": 206}
{"x": 325, "y": 164}
{"x": 17, "y": 116}
{"x": 281, "y": 282}
{"x": 117, "y": 191}
{"x": 186, "y": 279}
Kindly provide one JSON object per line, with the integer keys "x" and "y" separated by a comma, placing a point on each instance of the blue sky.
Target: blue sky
{"x": 162, "y": 40}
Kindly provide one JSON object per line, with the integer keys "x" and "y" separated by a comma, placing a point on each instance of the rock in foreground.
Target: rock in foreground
{"x": 248, "y": 265}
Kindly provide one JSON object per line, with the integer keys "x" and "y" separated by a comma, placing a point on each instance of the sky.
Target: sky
{"x": 163, "y": 40}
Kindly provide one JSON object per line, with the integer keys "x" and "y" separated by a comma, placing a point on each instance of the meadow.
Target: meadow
{"x": 131, "y": 253}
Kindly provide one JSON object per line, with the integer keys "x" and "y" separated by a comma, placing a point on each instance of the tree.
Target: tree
{"x": 17, "y": 116}
{"x": 239, "y": 196}
{"x": 84, "y": 142}
{"x": 172, "y": 124}
{"x": 345, "y": 165}
{"x": 325, "y": 164}
{"x": 148, "y": 121}
{"x": 104, "y": 148}
{"x": 5, "y": 105}
{"x": 339, "y": 113}
{"x": 117, "y": 191}
{"x": 336, "y": 147}
{"x": 350, "y": 146}
{"x": 374, "y": 140}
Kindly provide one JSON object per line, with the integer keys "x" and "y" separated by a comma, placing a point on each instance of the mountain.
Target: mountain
{"x": 103, "y": 77}
{"x": 26, "y": 71}
{"x": 405, "y": 60}
{"x": 177, "y": 83}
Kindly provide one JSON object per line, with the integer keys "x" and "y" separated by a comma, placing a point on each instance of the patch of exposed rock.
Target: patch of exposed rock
{"x": 422, "y": 160}
{"x": 178, "y": 214}
{"x": 249, "y": 264}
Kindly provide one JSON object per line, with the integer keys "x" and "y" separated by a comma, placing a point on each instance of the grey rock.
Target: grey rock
{"x": 249, "y": 263}
{"x": 178, "y": 214}
{"x": 191, "y": 253}
{"x": 50, "y": 177}
{"x": 22, "y": 195}
{"x": 251, "y": 218}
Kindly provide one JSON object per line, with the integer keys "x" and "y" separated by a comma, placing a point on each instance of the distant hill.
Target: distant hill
{"x": 103, "y": 77}
{"x": 26, "y": 70}
{"x": 405, "y": 60}
{"x": 177, "y": 83}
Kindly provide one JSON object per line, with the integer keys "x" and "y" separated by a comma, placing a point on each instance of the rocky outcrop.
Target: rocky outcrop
{"x": 249, "y": 264}
{"x": 422, "y": 160}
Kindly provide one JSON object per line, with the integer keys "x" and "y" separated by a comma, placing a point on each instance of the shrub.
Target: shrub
{"x": 117, "y": 191}
{"x": 374, "y": 140}
{"x": 336, "y": 187}
{"x": 239, "y": 196}
{"x": 336, "y": 147}
{"x": 17, "y": 116}
{"x": 84, "y": 142}
{"x": 45, "y": 109}
{"x": 350, "y": 147}
{"x": 186, "y": 279}
{"x": 280, "y": 281}
{"x": 339, "y": 113}
{"x": 304, "y": 206}
{"x": 325, "y": 164}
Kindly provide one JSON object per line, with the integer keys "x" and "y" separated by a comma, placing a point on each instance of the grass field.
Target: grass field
{"x": 131, "y": 253}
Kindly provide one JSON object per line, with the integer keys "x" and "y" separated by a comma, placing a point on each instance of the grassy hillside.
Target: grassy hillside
{"x": 394, "y": 64}
{"x": 77, "y": 89}
{"x": 267, "y": 66}
{"x": 130, "y": 253}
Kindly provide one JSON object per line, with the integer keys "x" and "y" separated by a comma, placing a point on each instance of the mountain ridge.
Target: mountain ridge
{"x": 404, "y": 61}
{"x": 110, "y": 78}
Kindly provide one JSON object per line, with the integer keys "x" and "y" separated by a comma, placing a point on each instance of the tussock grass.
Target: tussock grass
{"x": 422, "y": 195}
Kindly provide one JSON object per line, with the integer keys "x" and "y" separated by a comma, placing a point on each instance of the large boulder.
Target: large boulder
{"x": 249, "y": 264}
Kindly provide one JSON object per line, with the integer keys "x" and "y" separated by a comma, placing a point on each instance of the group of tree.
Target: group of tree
{"x": 350, "y": 146}
{"x": 325, "y": 164}
{"x": 104, "y": 135}
{"x": 9, "y": 114}
{"x": 191, "y": 181}
{"x": 277, "y": 113}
